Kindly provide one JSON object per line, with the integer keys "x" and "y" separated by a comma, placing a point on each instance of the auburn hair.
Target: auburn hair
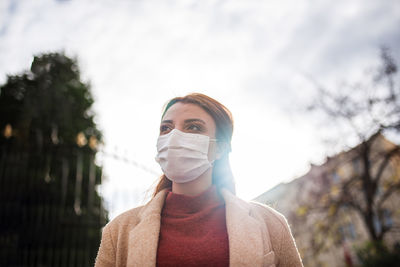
{"x": 222, "y": 175}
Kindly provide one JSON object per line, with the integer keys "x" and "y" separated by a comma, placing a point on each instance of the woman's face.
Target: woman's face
{"x": 190, "y": 118}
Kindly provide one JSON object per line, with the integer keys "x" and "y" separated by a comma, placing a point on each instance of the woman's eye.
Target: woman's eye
{"x": 194, "y": 128}
{"x": 164, "y": 129}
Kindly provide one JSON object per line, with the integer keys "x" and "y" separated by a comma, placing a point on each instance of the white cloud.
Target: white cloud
{"x": 250, "y": 55}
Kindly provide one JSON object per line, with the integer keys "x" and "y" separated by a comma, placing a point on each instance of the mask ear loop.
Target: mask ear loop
{"x": 215, "y": 158}
{"x": 222, "y": 148}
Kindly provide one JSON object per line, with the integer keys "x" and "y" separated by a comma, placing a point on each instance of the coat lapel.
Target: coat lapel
{"x": 245, "y": 233}
{"x": 143, "y": 238}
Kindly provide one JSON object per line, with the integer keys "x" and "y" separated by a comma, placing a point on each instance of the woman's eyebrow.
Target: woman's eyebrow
{"x": 194, "y": 120}
{"x": 167, "y": 121}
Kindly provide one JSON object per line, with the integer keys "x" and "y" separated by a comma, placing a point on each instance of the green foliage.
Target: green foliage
{"x": 49, "y": 99}
{"x": 374, "y": 254}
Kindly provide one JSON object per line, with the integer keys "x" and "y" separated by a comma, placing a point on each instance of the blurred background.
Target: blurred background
{"x": 313, "y": 86}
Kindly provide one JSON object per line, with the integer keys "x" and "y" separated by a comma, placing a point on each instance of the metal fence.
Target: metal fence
{"x": 50, "y": 211}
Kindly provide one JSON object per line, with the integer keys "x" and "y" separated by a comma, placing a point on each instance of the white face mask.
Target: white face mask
{"x": 183, "y": 157}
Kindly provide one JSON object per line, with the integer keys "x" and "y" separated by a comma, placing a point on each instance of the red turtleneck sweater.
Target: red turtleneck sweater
{"x": 193, "y": 231}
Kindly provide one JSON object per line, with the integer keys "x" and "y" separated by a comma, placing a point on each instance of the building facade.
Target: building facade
{"x": 328, "y": 206}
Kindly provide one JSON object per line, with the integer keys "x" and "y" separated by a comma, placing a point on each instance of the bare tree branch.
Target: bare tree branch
{"x": 385, "y": 162}
{"x": 367, "y": 110}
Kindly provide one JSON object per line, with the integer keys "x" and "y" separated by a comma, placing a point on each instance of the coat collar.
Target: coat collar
{"x": 245, "y": 233}
{"x": 143, "y": 238}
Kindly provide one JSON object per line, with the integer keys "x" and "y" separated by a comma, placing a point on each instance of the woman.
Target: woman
{"x": 194, "y": 217}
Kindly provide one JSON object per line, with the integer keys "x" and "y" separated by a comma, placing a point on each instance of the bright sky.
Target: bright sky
{"x": 253, "y": 56}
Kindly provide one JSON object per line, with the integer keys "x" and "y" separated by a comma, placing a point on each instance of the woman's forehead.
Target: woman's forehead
{"x": 186, "y": 111}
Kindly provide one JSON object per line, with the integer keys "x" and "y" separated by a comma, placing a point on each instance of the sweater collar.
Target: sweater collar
{"x": 183, "y": 204}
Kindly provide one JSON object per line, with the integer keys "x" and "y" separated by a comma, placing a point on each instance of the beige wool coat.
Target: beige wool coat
{"x": 257, "y": 234}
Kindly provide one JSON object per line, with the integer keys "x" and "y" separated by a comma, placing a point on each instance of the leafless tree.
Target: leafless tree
{"x": 364, "y": 178}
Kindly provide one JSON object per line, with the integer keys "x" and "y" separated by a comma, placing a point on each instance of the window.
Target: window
{"x": 335, "y": 177}
{"x": 387, "y": 218}
{"x": 347, "y": 231}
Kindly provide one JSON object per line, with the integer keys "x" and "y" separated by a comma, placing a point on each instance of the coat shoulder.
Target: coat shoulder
{"x": 125, "y": 219}
{"x": 130, "y": 218}
{"x": 270, "y": 215}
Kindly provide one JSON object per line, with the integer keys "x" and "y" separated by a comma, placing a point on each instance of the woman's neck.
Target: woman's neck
{"x": 195, "y": 187}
